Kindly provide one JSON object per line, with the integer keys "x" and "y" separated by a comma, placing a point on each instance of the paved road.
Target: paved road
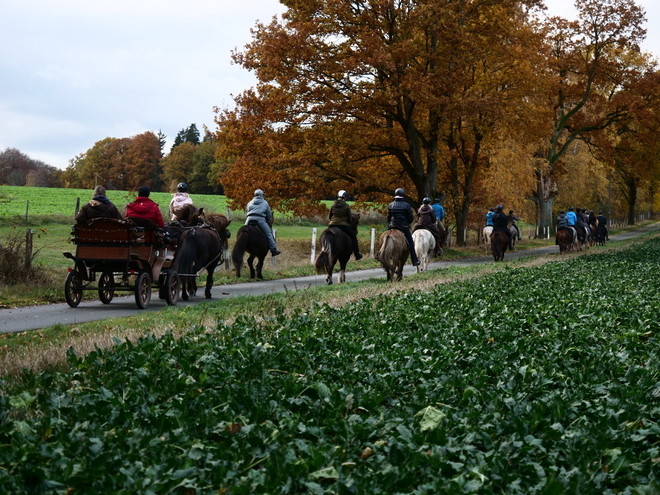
{"x": 35, "y": 317}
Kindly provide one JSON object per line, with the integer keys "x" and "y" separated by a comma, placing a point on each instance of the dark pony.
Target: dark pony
{"x": 250, "y": 238}
{"x": 499, "y": 242}
{"x": 200, "y": 248}
{"x": 393, "y": 253}
{"x": 564, "y": 240}
{"x": 335, "y": 246}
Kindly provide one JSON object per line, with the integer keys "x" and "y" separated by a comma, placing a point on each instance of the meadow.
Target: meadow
{"x": 531, "y": 379}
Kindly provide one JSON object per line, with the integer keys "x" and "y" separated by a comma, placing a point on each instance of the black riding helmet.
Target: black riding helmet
{"x": 399, "y": 192}
{"x": 182, "y": 187}
{"x": 426, "y": 201}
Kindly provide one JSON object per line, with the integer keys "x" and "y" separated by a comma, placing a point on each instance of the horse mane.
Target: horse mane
{"x": 216, "y": 220}
{"x": 188, "y": 213}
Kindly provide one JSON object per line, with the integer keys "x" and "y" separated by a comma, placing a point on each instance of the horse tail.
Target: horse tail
{"x": 322, "y": 264}
{"x": 385, "y": 252}
{"x": 242, "y": 238}
{"x": 186, "y": 253}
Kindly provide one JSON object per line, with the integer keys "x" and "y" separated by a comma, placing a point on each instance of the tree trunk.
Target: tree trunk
{"x": 544, "y": 197}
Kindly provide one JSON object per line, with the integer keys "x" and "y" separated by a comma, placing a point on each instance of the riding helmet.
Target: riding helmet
{"x": 182, "y": 187}
{"x": 426, "y": 201}
{"x": 259, "y": 192}
{"x": 342, "y": 194}
{"x": 570, "y": 208}
{"x": 561, "y": 212}
{"x": 511, "y": 212}
{"x": 499, "y": 207}
{"x": 399, "y": 192}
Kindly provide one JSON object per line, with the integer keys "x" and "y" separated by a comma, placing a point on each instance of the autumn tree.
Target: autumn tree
{"x": 178, "y": 165}
{"x": 371, "y": 95}
{"x": 589, "y": 64}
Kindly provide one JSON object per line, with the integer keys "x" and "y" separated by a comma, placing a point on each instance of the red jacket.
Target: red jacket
{"x": 145, "y": 208}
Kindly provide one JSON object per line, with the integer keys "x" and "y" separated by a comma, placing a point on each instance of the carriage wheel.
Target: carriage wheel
{"x": 106, "y": 287}
{"x": 143, "y": 290}
{"x": 73, "y": 289}
{"x": 172, "y": 287}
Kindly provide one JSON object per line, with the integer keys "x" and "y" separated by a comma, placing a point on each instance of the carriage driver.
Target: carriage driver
{"x": 340, "y": 217}
{"x": 145, "y": 208}
{"x": 258, "y": 211}
{"x": 179, "y": 200}
{"x": 98, "y": 207}
{"x": 399, "y": 217}
{"x": 426, "y": 219}
{"x": 501, "y": 222}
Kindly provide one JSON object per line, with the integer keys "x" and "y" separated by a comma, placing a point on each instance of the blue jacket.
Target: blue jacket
{"x": 571, "y": 217}
{"x": 439, "y": 211}
{"x": 489, "y": 218}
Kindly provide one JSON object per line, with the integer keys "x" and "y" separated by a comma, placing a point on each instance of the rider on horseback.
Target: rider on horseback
{"x": 426, "y": 219}
{"x": 489, "y": 217}
{"x": 340, "y": 217}
{"x": 512, "y": 218}
{"x": 179, "y": 200}
{"x": 562, "y": 223}
{"x": 501, "y": 223}
{"x": 572, "y": 222}
{"x": 602, "y": 224}
{"x": 258, "y": 212}
{"x": 439, "y": 211}
{"x": 399, "y": 217}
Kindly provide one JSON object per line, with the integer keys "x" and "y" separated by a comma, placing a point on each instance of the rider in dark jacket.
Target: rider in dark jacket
{"x": 426, "y": 219}
{"x": 399, "y": 217}
{"x": 340, "y": 217}
{"x": 501, "y": 223}
{"x": 98, "y": 207}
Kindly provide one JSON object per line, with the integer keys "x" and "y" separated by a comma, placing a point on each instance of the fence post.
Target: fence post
{"x": 27, "y": 207}
{"x": 313, "y": 256}
{"x": 77, "y": 207}
{"x": 28, "y": 248}
{"x": 273, "y": 259}
{"x": 449, "y": 230}
{"x": 227, "y": 208}
{"x": 373, "y": 243}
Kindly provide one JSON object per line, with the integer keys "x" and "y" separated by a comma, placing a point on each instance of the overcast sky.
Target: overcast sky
{"x": 73, "y": 72}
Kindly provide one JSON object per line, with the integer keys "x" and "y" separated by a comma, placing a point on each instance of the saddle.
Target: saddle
{"x": 253, "y": 223}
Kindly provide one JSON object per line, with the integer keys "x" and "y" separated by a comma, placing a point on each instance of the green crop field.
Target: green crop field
{"x": 538, "y": 380}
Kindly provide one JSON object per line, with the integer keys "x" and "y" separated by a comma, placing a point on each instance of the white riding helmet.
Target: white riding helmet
{"x": 342, "y": 194}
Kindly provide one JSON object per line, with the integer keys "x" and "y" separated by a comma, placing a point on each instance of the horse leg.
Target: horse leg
{"x": 209, "y": 280}
{"x": 250, "y": 261}
{"x": 342, "y": 271}
{"x": 260, "y": 265}
{"x": 184, "y": 288}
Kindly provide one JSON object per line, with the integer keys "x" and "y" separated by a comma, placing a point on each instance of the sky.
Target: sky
{"x": 73, "y": 72}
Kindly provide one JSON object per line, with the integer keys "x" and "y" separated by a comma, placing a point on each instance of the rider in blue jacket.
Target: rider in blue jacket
{"x": 572, "y": 222}
{"x": 489, "y": 217}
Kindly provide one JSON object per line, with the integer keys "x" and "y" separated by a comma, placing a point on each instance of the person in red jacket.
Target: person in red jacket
{"x": 145, "y": 208}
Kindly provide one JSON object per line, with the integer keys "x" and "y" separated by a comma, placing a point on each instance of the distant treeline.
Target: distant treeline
{"x": 18, "y": 169}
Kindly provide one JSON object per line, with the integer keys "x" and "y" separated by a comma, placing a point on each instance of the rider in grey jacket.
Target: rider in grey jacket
{"x": 258, "y": 211}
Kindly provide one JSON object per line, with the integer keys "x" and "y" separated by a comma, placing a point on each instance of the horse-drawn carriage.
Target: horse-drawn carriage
{"x": 125, "y": 257}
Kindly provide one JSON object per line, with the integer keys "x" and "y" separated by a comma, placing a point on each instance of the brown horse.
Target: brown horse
{"x": 499, "y": 242}
{"x": 188, "y": 215}
{"x": 564, "y": 240}
{"x": 335, "y": 246}
{"x": 393, "y": 253}
{"x": 250, "y": 238}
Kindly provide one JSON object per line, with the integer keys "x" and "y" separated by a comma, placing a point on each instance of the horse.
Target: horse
{"x": 250, "y": 238}
{"x": 424, "y": 247}
{"x": 199, "y": 248}
{"x": 335, "y": 246}
{"x": 601, "y": 235}
{"x": 488, "y": 229}
{"x": 188, "y": 215}
{"x": 564, "y": 240}
{"x": 499, "y": 242}
{"x": 393, "y": 253}
{"x": 514, "y": 235}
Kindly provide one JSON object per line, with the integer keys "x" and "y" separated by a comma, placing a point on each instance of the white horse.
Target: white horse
{"x": 424, "y": 247}
{"x": 488, "y": 229}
